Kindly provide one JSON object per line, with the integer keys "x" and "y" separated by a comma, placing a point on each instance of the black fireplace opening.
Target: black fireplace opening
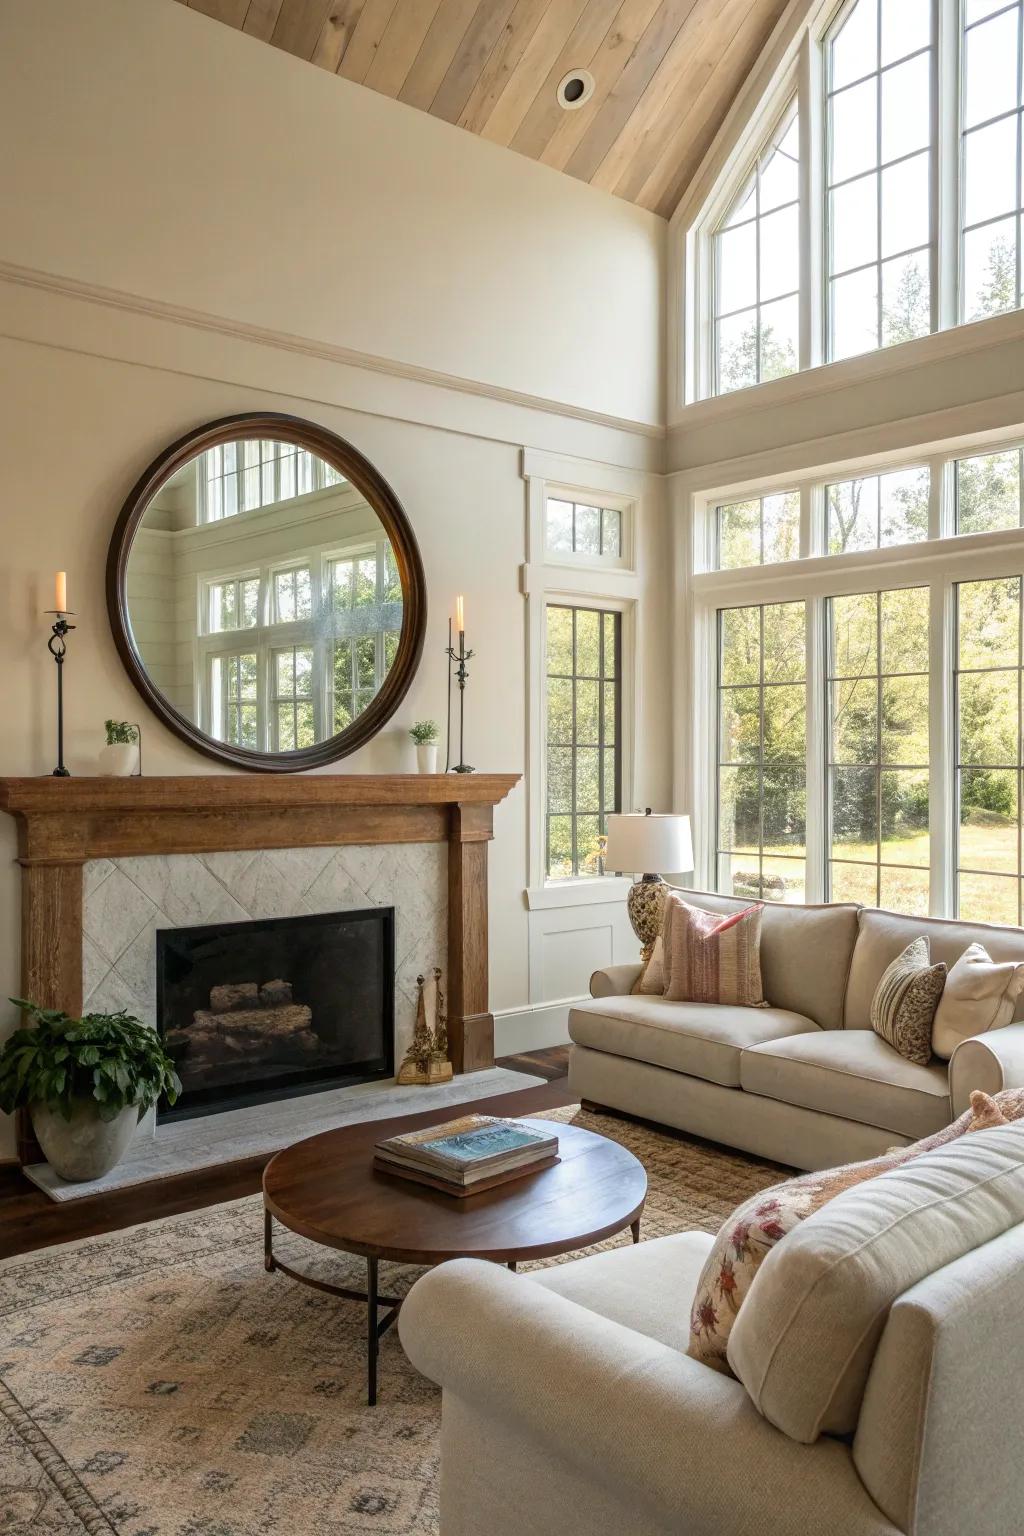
{"x": 276, "y": 1007}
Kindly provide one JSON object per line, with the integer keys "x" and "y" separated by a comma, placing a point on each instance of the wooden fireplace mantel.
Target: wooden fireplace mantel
{"x": 62, "y": 823}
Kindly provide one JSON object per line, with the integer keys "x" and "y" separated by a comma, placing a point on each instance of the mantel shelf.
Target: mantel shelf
{"x": 249, "y": 792}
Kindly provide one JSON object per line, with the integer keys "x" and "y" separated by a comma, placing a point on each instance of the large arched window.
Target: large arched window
{"x": 886, "y": 201}
{"x": 879, "y": 74}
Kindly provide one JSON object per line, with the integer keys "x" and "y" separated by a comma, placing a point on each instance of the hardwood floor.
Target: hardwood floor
{"x": 29, "y": 1219}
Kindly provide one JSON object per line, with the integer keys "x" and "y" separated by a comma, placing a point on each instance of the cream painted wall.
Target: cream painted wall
{"x": 163, "y": 154}
{"x": 129, "y": 123}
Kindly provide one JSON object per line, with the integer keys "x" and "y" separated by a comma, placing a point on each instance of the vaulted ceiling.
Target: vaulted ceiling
{"x": 665, "y": 72}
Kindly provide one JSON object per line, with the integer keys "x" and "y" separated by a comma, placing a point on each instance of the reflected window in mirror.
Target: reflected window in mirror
{"x": 260, "y": 592}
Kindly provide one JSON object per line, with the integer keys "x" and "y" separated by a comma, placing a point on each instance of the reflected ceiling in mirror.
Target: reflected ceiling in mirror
{"x": 266, "y": 593}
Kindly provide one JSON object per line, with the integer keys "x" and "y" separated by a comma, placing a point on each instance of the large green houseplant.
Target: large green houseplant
{"x": 86, "y": 1083}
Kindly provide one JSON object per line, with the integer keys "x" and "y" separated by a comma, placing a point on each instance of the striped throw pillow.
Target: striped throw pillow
{"x": 905, "y": 1000}
{"x": 712, "y": 957}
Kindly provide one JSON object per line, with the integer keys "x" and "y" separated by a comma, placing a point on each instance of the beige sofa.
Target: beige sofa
{"x": 569, "y": 1407}
{"x": 806, "y": 1081}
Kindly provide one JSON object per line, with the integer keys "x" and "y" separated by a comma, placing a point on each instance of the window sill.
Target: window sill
{"x": 810, "y": 383}
{"x": 601, "y": 891}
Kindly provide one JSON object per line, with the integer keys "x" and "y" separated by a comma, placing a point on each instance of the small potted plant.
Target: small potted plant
{"x": 119, "y": 759}
{"x": 425, "y": 733}
{"x": 86, "y": 1083}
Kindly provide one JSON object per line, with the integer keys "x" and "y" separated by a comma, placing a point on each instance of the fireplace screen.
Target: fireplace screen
{"x": 281, "y": 1006}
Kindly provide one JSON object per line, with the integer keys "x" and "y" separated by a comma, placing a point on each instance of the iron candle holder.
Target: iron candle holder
{"x": 460, "y": 657}
{"x": 57, "y": 646}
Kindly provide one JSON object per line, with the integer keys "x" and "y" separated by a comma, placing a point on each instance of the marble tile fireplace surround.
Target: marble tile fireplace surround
{"x": 106, "y": 863}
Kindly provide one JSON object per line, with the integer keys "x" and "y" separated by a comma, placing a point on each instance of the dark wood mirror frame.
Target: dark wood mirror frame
{"x": 361, "y": 473}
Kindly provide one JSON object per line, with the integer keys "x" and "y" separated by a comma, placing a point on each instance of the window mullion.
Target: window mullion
{"x": 942, "y": 809}
{"x": 945, "y": 168}
{"x": 816, "y": 885}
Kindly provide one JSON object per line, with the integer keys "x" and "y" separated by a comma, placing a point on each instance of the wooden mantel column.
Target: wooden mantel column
{"x": 470, "y": 1023}
{"x": 62, "y": 823}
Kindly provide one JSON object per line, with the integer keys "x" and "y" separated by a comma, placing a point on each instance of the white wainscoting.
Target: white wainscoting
{"x": 568, "y": 942}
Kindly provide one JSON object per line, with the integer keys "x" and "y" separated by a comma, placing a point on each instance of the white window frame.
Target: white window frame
{"x": 320, "y": 480}
{"x": 797, "y": 66}
{"x": 553, "y": 577}
{"x": 939, "y": 563}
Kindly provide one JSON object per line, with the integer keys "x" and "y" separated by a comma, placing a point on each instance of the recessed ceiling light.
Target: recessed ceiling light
{"x": 575, "y": 89}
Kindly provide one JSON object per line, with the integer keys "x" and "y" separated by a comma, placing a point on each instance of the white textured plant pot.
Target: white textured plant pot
{"x": 84, "y": 1147}
{"x": 119, "y": 759}
{"x": 426, "y": 756}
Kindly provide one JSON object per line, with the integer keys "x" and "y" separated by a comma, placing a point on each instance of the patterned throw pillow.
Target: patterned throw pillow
{"x": 712, "y": 957}
{"x": 755, "y": 1228}
{"x": 905, "y": 1000}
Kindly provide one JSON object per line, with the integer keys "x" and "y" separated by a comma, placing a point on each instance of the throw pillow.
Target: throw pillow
{"x": 998, "y": 1109}
{"x": 761, "y": 1222}
{"x": 905, "y": 1000}
{"x": 980, "y": 994}
{"x": 713, "y": 957}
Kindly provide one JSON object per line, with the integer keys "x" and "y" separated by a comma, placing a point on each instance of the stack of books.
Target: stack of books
{"x": 467, "y": 1156}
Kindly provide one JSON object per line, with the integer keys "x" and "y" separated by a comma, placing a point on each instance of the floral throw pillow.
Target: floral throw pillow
{"x": 753, "y": 1230}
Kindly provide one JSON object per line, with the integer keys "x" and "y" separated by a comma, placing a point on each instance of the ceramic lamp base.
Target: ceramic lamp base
{"x": 646, "y": 907}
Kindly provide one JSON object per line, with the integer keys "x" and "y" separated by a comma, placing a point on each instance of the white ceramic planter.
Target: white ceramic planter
{"x": 426, "y": 756}
{"x": 119, "y": 759}
{"x": 84, "y": 1147}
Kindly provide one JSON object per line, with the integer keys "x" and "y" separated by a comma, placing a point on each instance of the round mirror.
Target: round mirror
{"x": 266, "y": 593}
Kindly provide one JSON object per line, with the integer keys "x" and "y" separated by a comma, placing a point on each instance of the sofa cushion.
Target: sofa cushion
{"x": 805, "y": 954}
{"x": 851, "y": 1073}
{"x": 647, "y": 1286}
{"x": 884, "y": 935}
{"x": 805, "y": 1339}
{"x": 702, "y": 1039}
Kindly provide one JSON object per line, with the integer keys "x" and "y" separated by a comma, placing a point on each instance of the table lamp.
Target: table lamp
{"x": 652, "y": 844}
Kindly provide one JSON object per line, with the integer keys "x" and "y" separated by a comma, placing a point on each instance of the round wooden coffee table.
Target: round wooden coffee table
{"x": 326, "y": 1189}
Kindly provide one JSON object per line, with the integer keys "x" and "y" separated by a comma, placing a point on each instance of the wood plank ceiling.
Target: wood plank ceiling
{"x": 665, "y": 71}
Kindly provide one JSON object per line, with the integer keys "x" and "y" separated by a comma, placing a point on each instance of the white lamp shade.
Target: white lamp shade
{"x": 649, "y": 845}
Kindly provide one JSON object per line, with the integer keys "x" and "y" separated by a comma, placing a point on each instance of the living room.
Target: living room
{"x": 514, "y": 557}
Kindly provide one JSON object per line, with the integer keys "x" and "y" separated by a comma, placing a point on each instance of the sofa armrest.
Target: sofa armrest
{"x": 622, "y": 1409}
{"x": 615, "y": 980}
{"x": 990, "y": 1062}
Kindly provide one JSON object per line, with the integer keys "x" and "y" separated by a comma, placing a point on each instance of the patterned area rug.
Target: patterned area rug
{"x": 156, "y": 1382}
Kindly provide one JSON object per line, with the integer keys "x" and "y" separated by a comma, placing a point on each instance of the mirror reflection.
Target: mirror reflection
{"x": 263, "y": 596}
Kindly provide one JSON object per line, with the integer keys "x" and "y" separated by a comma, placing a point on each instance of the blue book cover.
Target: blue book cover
{"x": 469, "y": 1147}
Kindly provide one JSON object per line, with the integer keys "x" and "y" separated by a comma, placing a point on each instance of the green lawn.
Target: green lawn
{"x": 989, "y": 896}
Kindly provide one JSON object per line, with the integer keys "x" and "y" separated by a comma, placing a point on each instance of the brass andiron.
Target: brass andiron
{"x": 426, "y": 1060}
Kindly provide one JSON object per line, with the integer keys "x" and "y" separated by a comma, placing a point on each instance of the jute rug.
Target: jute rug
{"x": 156, "y": 1382}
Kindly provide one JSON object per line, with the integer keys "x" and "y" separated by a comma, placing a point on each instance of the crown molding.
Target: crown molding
{"x": 114, "y": 298}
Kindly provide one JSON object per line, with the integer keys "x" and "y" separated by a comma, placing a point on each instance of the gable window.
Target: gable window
{"x": 880, "y": 64}
{"x": 898, "y": 209}
{"x": 583, "y": 735}
{"x": 992, "y": 195}
{"x": 756, "y": 264}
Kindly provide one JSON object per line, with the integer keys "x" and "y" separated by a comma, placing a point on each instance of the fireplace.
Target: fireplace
{"x": 276, "y": 1007}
